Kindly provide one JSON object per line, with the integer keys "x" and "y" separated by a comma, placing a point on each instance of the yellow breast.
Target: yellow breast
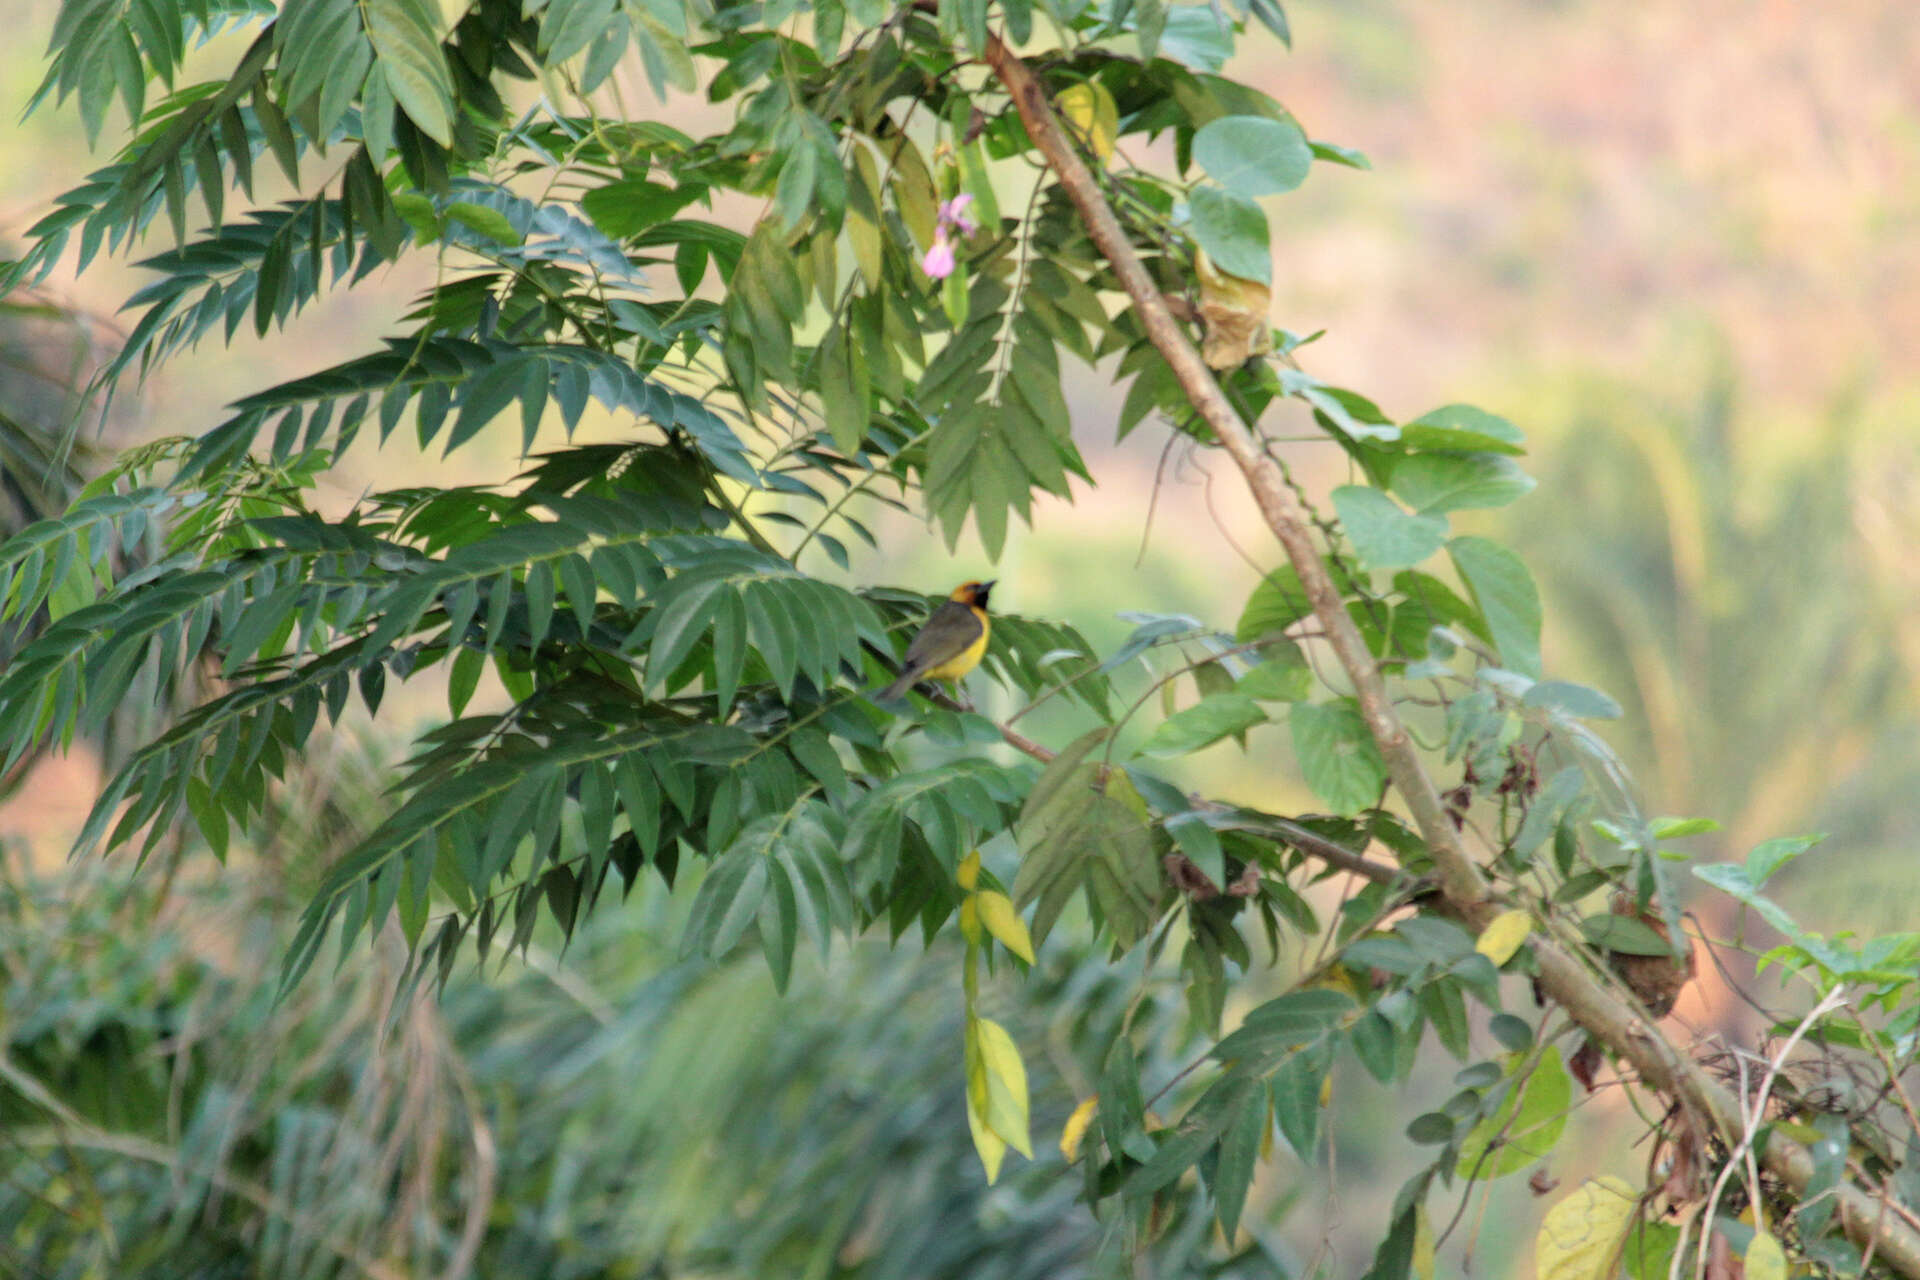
{"x": 968, "y": 658}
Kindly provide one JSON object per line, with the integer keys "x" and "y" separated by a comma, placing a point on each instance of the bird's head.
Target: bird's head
{"x": 973, "y": 593}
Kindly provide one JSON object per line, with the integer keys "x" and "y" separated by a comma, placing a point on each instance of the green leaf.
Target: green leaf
{"x": 684, "y": 619}
{"x": 1678, "y": 828}
{"x": 405, "y": 36}
{"x": 1253, "y": 155}
{"x": 1571, "y": 699}
{"x": 464, "y": 678}
{"x": 1201, "y": 844}
{"x": 1435, "y": 483}
{"x": 1295, "y": 1090}
{"x": 844, "y": 393}
{"x": 628, "y": 207}
{"x": 1385, "y": 536}
{"x": 489, "y": 222}
{"x": 1514, "y": 1034}
{"x": 1205, "y": 722}
{"x": 1334, "y": 153}
{"x": 1526, "y": 1126}
{"x": 728, "y": 901}
{"x": 569, "y": 26}
{"x": 1279, "y": 601}
{"x": 1277, "y": 682}
{"x": 1462, "y": 427}
{"x": 1199, "y": 36}
{"x": 1233, "y": 231}
{"x": 1074, "y": 834}
{"x": 1376, "y": 1045}
{"x": 1506, "y": 597}
{"x": 1337, "y": 755}
{"x": 1274, "y": 19}
{"x": 1122, "y": 1113}
{"x": 1766, "y": 858}
{"x": 1239, "y": 1152}
{"x": 1286, "y": 1025}
{"x": 1624, "y": 934}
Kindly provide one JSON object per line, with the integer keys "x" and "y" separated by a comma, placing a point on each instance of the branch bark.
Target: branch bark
{"x": 1563, "y": 976}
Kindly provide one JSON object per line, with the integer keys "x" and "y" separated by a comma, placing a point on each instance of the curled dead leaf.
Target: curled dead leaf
{"x": 1234, "y": 311}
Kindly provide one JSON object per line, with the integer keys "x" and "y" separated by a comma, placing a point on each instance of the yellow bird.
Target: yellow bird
{"x": 951, "y": 642}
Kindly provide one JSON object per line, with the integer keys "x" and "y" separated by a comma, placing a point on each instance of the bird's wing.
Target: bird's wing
{"x": 950, "y": 630}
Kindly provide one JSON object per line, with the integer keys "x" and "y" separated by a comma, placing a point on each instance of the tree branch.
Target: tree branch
{"x": 1568, "y": 980}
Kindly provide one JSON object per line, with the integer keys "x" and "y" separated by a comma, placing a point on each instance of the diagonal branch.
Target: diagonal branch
{"x": 1624, "y": 1030}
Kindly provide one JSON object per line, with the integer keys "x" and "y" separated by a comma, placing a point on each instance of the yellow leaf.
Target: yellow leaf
{"x": 1075, "y": 1129}
{"x": 1006, "y": 1109}
{"x": 1003, "y": 922}
{"x": 1089, "y": 109}
{"x": 1503, "y": 936}
{"x": 1765, "y": 1260}
{"x": 1423, "y": 1247}
{"x": 1581, "y": 1235}
{"x": 970, "y": 918}
{"x": 969, "y": 873}
{"x": 986, "y": 1142}
{"x": 1326, "y": 1091}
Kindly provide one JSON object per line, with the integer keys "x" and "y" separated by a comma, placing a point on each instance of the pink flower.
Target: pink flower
{"x": 953, "y": 213}
{"x": 939, "y": 263}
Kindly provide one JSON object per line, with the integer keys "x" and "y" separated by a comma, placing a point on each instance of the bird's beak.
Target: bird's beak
{"x": 988, "y": 586}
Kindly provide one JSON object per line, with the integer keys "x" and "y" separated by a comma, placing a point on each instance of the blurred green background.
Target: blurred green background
{"x": 1677, "y": 243}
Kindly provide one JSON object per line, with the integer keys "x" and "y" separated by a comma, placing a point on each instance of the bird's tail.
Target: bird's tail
{"x": 893, "y": 692}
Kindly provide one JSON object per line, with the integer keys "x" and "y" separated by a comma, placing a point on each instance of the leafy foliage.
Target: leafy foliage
{"x": 675, "y": 689}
